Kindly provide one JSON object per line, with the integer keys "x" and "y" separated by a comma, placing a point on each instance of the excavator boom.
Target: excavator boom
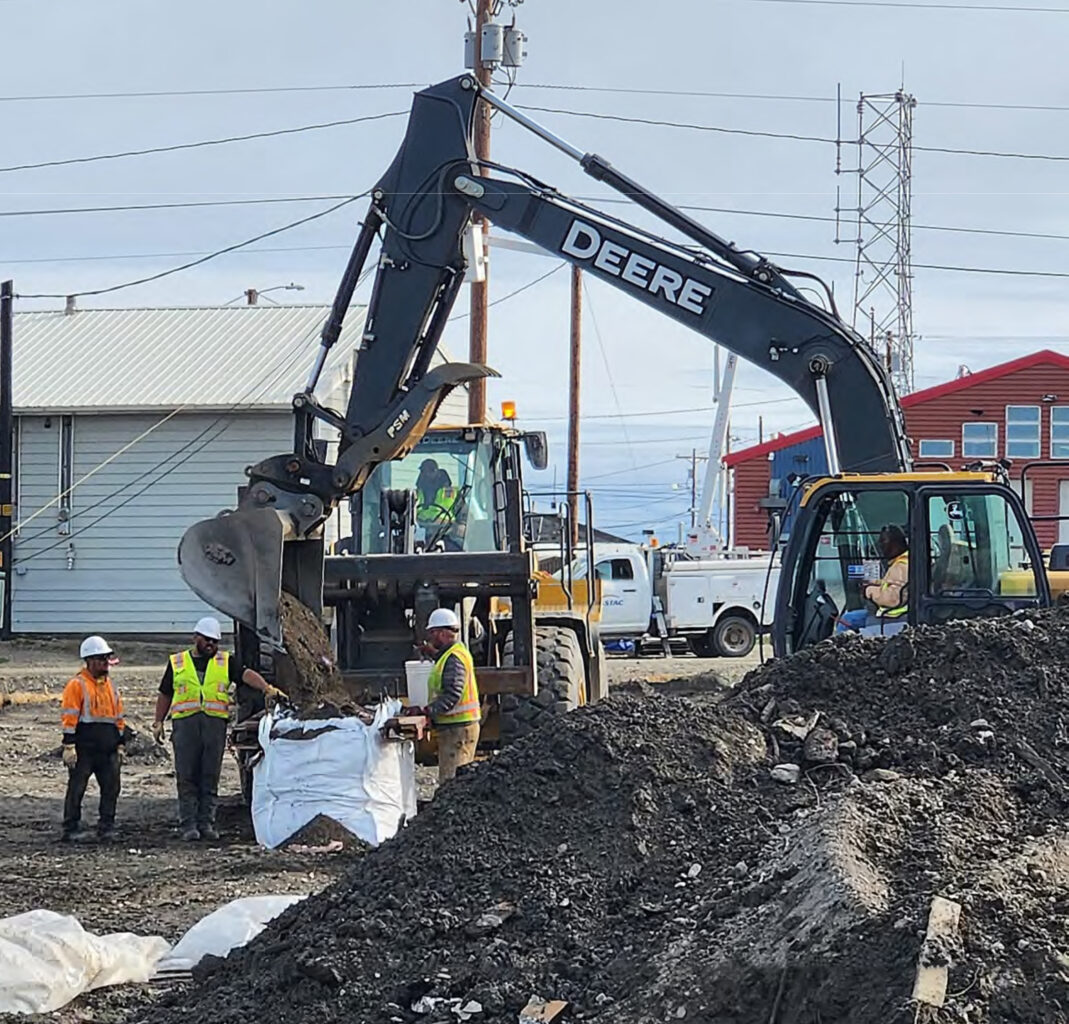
{"x": 421, "y": 208}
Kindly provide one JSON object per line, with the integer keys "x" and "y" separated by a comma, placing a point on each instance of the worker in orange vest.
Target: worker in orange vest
{"x": 93, "y": 739}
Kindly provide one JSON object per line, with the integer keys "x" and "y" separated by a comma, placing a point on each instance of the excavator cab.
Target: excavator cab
{"x": 970, "y": 550}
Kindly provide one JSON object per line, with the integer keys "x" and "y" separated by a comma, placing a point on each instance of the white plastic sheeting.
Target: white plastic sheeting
{"x": 339, "y": 767}
{"x": 230, "y": 926}
{"x": 47, "y": 959}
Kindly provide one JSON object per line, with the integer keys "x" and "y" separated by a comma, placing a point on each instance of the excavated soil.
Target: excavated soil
{"x": 324, "y": 834}
{"x": 639, "y": 860}
{"x": 309, "y": 675}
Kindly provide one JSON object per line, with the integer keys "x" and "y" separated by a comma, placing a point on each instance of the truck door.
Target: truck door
{"x": 625, "y": 597}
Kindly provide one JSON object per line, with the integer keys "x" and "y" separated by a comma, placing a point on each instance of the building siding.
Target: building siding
{"x": 116, "y": 571}
{"x": 751, "y": 520}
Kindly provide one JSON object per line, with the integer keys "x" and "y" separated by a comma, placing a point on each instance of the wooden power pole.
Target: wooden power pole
{"x": 477, "y": 347}
{"x": 575, "y": 363}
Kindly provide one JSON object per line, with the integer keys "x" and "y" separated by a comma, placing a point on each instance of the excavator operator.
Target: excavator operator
{"x": 887, "y": 594}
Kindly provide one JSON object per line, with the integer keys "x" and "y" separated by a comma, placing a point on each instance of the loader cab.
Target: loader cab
{"x": 972, "y": 553}
{"x": 453, "y": 475}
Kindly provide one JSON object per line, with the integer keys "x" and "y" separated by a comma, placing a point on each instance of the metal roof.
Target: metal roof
{"x": 215, "y": 358}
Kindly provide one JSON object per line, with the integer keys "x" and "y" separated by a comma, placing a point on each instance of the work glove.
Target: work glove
{"x": 70, "y": 755}
{"x": 121, "y": 750}
{"x": 157, "y": 732}
{"x": 275, "y": 693}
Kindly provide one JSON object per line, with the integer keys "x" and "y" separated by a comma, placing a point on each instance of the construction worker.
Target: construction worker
{"x": 93, "y": 739}
{"x": 889, "y": 593}
{"x": 195, "y": 690}
{"x": 453, "y": 694}
{"x": 435, "y": 495}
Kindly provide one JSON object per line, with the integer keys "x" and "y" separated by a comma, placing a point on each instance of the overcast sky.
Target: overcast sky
{"x": 960, "y": 64}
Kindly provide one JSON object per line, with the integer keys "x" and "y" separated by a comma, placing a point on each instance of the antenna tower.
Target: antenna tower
{"x": 883, "y": 274}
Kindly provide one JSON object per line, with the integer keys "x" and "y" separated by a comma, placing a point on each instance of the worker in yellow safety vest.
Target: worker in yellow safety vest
{"x": 436, "y": 497}
{"x": 453, "y": 694}
{"x": 195, "y": 692}
{"x": 889, "y": 594}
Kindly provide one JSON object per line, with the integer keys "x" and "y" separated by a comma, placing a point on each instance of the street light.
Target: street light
{"x": 252, "y": 295}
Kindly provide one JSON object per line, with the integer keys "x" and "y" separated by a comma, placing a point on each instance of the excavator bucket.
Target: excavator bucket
{"x": 234, "y": 563}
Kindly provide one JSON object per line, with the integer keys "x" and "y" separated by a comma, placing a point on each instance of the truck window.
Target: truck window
{"x": 976, "y": 547}
{"x": 615, "y": 569}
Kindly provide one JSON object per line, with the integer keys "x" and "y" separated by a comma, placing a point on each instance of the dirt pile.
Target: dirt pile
{"x": 638, "y": 859}
{"x": 324, "y": 835}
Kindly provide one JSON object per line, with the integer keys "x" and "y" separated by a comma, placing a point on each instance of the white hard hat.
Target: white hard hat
{"x": 443, "y": 618}
{"x": 209, "y": 627}
{"x": 94, "y": 646}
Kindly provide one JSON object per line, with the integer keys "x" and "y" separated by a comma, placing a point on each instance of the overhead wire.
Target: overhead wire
{"x": 203, "y": 259}
{"x": 68, "y": 161}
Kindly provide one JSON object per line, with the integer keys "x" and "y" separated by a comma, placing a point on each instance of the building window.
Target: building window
{"x": 979, "y": 440}
{"x": 931, "y": 449}
{"x": 1059, "y": 432}
{"x": 1022, "y": 431}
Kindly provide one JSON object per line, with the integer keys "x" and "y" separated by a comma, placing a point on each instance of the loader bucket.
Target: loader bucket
{"x": 234, "y": 563}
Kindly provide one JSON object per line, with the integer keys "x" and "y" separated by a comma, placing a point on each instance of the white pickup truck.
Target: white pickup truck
{"x": 717, "y": 605}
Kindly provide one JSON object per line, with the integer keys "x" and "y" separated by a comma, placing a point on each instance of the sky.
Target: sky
{"x": 752, "y": 66}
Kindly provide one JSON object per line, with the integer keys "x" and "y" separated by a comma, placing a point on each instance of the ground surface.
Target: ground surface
{"x": 139, "y": 884}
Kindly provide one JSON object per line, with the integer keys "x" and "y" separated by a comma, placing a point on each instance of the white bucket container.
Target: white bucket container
{"x": 418, "y": 674}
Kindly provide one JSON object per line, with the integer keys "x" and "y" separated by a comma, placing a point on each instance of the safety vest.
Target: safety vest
{"x": 90, "y": 700}
{"x": 467, "y": 708}
{"x": 191, "y": 695}
{"x": 901, "y": 609}
{"x": 441, "y": 510}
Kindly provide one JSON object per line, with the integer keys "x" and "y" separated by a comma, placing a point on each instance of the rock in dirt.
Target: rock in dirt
{"x": 594, "y": 854}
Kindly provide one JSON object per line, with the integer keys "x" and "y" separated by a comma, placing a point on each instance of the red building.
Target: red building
{"x": 1017, "y": 411}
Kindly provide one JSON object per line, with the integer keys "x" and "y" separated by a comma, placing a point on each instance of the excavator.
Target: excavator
{"x": 973, "y": 550}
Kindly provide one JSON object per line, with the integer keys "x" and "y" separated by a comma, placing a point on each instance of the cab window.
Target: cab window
{"x": 847, "y": 556}
{"x": 976, "y": 547}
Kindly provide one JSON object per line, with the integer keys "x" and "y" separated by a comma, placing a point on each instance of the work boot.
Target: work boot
{"x": 76, "y": 835}
{"x": 190, "y": 834}
{"x": 107, "y": 835}
{"x": 209, "y": 832}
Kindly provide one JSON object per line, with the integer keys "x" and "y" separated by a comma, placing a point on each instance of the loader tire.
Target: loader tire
{"x": 561, "y": 683}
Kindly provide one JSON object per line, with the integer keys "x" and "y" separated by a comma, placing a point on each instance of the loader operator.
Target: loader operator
{"x": 195, "y": 689}
{"x": 453, "y": 693}
{"x": 436, "y": 497}
{"x": 887, "y": 594}
{"x": 94, "y": 741}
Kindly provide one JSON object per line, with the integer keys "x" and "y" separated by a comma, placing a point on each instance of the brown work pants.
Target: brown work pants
{"x": 456, "y": 747}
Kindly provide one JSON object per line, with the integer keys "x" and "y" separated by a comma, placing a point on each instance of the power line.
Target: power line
{"x": 554, "y": 86}
{"x": 921, "y": 6}
{"x": 241, "y": 91}
{"x": 127, "y": 207}
{"x": 792, "y": 136}
{"x": 512, "y": 294}
{"x": 199, "y": 144}
{"x": 203, "y": 259}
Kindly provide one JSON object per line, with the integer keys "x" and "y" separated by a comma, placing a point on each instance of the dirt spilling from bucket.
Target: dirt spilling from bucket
{"x": 769, "y": 858}
{"x": 309, "y": 675}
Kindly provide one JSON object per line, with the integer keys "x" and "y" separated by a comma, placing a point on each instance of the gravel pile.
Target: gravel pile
{"x": 769, "y": 859}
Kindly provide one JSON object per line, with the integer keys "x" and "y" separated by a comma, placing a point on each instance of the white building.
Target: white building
{"x": 132, "y": 424}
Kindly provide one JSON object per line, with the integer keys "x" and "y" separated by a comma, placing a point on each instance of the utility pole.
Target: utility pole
{"x": 477, "y": 346}
{"x": 575, "y": 369}
{"x": 7, "y": 432}
{"x": 694, "y": 458}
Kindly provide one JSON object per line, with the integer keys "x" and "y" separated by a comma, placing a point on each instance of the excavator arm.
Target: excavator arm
{"x": 421, "y": 207}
